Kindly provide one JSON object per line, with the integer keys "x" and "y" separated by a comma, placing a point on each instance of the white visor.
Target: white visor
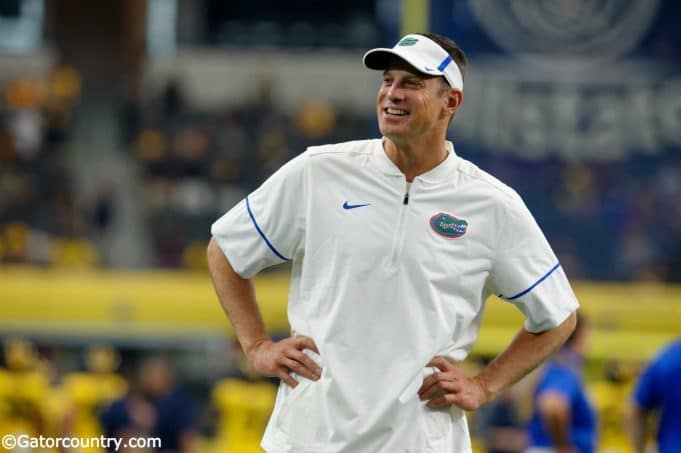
{"x": 423, "y": 54}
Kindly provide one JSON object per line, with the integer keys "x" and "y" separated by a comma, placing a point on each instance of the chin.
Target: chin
{"x": 390, "y": 129}
{"x": 392, "y": 133}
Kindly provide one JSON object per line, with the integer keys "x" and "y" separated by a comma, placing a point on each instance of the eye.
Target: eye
{"x": 414, "y": 83}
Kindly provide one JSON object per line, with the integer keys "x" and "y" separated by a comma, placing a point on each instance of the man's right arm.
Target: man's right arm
{"x": 237, "y": 297}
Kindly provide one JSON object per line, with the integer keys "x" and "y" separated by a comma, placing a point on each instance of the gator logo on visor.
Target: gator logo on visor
{"x": 408, "y": 42}
{"x": 448, "y": 226}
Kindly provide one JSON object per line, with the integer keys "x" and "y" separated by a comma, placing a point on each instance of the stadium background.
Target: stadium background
{"x": 129, "y": 126}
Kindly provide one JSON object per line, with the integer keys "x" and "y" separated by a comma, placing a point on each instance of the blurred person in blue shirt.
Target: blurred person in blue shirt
{"x": 563, "y": 418}
{"x": 155, "y": 407}
{"x": 658, "y": 391}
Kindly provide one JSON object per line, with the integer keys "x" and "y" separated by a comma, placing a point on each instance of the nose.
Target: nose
{"x": 393, "y": 93}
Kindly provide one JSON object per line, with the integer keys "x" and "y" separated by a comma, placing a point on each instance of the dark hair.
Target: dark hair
{"x": 452, "y": 49}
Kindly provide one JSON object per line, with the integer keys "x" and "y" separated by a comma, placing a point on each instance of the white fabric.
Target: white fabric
{"x": 424, "y": 54}
{"x": 381, "y": 291}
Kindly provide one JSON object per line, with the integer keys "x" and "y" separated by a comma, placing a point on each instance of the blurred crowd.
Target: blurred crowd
{"x": 42, "y": 221}
{"x": 99, "y": 391}
{"x": 607, "y": 221}
{"x": 86, "y": 392}
{"x": 197, "y": 165}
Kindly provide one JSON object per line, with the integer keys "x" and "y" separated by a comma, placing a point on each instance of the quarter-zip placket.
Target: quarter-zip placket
{"x": 399, "y": 235}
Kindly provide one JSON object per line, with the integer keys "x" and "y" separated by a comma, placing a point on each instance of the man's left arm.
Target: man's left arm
{"x": 526, "y": 351}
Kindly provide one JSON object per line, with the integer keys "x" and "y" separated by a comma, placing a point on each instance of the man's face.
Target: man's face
{"x": 410, "y": 104}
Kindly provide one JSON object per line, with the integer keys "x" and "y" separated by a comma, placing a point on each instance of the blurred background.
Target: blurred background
{"x": 128, "y": 126}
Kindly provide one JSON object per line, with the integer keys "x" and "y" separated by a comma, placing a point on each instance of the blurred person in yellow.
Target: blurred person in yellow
{"x": 16, "y": 237}
{"x": 84, "y": 394}
{"x": 74, "y": 253}
{"x": 564, "y": 419}
{"x": 315, "y": 119}
{"x": 658, "y": 393}
{"x": 611, "y": 394}
{"x": 64, "y": 87}
{"x": 154, "y": 406}
{"x": 244, "y": 401}
{"x": 396, "y": 243}
{"x": 25, "y": 392}
{"x": 243, "y": 408}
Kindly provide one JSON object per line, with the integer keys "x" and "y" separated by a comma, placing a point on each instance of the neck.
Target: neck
{"x": 414, "y": 159}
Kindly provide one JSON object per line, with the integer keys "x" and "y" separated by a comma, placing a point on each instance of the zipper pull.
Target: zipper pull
{"x": 406, "y": 199}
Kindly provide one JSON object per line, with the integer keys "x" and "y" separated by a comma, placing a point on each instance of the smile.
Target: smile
{"x": 395, "y": 112}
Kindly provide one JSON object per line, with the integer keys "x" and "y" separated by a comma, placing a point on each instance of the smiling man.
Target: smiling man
{"x": 395, "y": 243}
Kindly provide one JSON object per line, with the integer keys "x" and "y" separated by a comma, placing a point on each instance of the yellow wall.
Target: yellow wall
{"x": 631, "y": 321}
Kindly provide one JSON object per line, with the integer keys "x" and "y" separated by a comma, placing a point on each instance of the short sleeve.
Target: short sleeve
{"x": 268, "y": 226}
{"x": 647, "y": 393}
{"x": 527, "y": 273}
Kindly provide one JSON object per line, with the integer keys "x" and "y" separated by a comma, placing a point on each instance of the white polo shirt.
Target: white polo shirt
{"x": 385, "y": 277}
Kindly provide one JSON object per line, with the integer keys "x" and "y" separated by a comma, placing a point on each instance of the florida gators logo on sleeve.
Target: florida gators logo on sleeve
{"x": 448, "y": 226}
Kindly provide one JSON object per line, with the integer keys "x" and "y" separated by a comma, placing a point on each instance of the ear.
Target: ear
{"x": 454, "y": 100}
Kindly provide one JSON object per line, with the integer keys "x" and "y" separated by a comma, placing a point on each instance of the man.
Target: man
{"x": 563, "y": 419}
{"x": 658, "y": 391}
{"x": 155, "y": 406}
{"x": 396, "y": 244}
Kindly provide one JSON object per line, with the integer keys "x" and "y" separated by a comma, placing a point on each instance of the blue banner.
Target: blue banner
{"x": 579, "y": 80}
